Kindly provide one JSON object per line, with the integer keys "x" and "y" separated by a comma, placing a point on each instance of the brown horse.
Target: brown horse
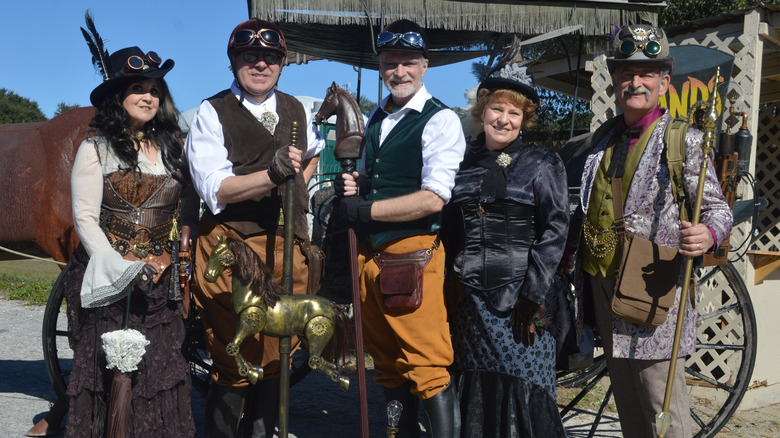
{"x": 37, "y": 218}
{"x": 349, "y": 123}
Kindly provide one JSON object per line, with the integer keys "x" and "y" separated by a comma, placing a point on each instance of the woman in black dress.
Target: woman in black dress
{"x": 126, "y": 185}
{"x": 505, "y": 233}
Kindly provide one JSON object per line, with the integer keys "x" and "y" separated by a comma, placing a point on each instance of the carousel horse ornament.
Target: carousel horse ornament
{"x": 261, "y": 309}
{"x": 349, "y": 123}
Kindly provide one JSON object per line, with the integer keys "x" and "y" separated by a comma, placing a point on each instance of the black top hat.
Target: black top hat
{"x": 512, "y": 77}
{"x": 404, "y": 36}
{"x": 640, "y": 44}
{"x": 126, "y": 65}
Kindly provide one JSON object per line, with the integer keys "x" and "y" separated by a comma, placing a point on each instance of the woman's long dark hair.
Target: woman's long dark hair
{"x": 111, "y": 121}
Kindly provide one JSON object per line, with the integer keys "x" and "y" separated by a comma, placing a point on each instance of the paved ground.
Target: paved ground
{"x": 318, "y": 408}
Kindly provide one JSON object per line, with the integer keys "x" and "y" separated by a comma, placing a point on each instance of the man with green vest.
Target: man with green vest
{"x": 414, "y": 145}
{"x": 633, "y": 146}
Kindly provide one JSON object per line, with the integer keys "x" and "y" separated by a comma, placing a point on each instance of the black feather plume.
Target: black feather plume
{"x": 95, "y": 43}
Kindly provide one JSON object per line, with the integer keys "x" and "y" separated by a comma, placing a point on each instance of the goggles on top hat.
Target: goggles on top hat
{"x": 651, "y": 48}
{"x": 136, "y": 63}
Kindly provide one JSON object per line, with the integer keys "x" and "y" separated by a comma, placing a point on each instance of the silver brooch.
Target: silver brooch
{"x": 268, "y": 119}
{"x": 503, "y": 159}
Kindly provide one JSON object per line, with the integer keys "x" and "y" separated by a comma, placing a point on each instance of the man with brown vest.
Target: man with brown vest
{"x": 240, "y": 159}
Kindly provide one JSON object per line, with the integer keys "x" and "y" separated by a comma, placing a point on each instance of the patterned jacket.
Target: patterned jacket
{"x": 651, "y": 212}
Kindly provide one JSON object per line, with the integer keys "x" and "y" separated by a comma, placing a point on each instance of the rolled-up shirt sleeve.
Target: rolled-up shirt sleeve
{"x": 207, "y": 156}
{"x": 443, "y": 146}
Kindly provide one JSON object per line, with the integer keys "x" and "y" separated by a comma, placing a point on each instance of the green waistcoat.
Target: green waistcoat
{"x": 600, "y": 238}
{"x": 395, "y": 170}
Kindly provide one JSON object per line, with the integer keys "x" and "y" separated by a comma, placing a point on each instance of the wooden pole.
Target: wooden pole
{"x": 287, "y": 288}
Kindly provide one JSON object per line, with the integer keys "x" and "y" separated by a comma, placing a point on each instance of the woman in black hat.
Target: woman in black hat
{"x": 505, "y": 233}
{"x": 126, "y": 185}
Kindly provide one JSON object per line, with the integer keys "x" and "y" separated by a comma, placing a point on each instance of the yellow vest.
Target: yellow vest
{"x": 599, "y": 236}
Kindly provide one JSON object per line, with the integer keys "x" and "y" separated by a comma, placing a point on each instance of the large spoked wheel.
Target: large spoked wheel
{"x": 717, "y": 374}
{"x": 57, "y": 355}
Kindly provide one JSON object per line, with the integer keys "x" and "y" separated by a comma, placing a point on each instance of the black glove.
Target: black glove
{"x": 147, "y": 274}
{"x": 353, "y": 209}
{"x": 525, "y": 317}
{"x": 281, "y": 166}
{"x": 338, "y": 185}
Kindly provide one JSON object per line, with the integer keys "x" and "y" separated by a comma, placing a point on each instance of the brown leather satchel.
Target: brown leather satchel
{"x": 401, "y": 278}
{"x": 647, "y": 275}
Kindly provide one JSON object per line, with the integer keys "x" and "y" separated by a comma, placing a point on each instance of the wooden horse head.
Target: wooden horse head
{"x": 349, "y": 122}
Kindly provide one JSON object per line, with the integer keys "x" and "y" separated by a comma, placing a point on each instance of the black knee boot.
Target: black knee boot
{"x": 407, "y": 425}
{"x": 263, "y": 409}
{"x": 224, "y": 405}
{"x": 443, "y": 413}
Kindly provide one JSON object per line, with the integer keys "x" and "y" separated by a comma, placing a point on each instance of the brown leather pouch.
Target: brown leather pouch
{"x": 647, "y": 275}
{"x": 401, "y": 278}
{"x": 646, "y": 282}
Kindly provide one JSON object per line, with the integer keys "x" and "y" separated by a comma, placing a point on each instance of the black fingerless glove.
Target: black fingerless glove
{"x": 354, "y": 209}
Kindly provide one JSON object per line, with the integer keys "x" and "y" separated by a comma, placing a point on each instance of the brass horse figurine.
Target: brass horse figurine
{"x": 349, "y": 123}
{"x": 261, "y": 309}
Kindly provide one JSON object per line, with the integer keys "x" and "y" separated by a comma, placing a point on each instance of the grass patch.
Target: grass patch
{"x": 33, "y": 291}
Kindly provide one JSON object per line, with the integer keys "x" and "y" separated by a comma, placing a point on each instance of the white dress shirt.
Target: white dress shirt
{"x": 205, "y": 146}
{"x": 443, "y": 144}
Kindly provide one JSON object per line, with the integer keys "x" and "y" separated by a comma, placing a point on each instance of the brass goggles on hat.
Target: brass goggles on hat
{"x": 407, "y": 39}
{"x": 136, "y": 63}
{"x": 651, "y": 48}
{"x": 267, "y": 37}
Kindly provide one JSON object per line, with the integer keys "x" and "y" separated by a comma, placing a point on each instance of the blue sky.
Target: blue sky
{"x": 45, "y": 57}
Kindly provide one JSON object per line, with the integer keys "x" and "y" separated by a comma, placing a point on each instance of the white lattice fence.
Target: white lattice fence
{"x": 717, "y": 326}
{"x": 768, "y": 181}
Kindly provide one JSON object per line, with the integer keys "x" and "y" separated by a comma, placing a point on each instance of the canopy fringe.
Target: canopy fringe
{"x": 517, "y": 17}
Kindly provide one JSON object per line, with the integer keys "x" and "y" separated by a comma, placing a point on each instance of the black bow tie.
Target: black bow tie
{"x": 620, "y": 151}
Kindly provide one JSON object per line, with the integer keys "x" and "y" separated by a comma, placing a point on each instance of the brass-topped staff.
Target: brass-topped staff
{"x": 285, "y": 343}
{"x": 663, "y": 420}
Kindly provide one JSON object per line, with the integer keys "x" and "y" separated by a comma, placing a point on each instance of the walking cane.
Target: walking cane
{"x": 347, "y": 154}
{"x": 287, "y": 288}
{"x": 663, "y": 420}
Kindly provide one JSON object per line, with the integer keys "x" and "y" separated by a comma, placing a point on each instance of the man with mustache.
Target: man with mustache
{"x": 414, "y": 145}
{"x": 241, "y": 160}
{"x": 632, "y": 146}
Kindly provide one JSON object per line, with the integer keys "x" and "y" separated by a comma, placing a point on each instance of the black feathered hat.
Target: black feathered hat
{"x": 122, "y": 66}
{"x": 127, "y": 65}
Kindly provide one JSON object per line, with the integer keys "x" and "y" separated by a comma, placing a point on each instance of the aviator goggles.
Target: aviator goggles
{"x": 252, "y": 56}
{"x": 407, "y": 39}
{"x": 267, "y": 37}
{"x": 651, "y": 48}
{"x": 136, "y": 63}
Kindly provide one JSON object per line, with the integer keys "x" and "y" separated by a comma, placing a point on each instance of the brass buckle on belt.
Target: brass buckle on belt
{"x": 143, "y": 242}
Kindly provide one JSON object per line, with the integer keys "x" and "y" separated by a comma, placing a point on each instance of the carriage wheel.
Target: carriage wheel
{"x": 57, "y": 355}
{"x": 717, "y": 374}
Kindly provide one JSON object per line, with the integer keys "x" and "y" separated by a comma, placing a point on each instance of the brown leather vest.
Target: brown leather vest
{"x": 251, "y": 148}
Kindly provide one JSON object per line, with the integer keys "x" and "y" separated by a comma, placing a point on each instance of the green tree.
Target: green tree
{"x": 63, "y": 107}
{"x": 366, "y": 105}
{"x": 18, "y": 109}
{"x": 681, "y": 11}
